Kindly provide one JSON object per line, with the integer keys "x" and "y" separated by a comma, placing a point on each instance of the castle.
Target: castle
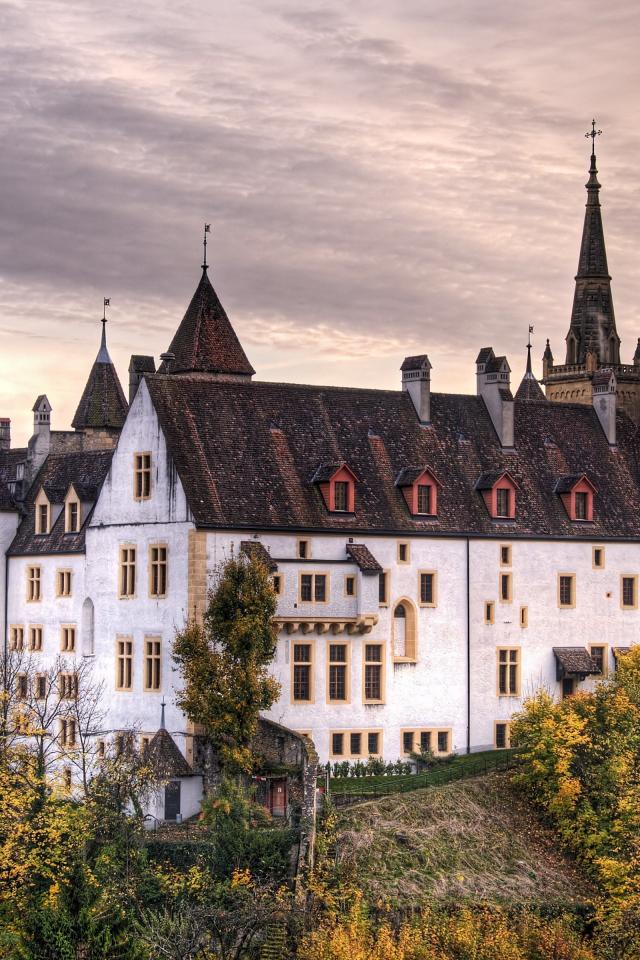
{"x": 435, "y": 556}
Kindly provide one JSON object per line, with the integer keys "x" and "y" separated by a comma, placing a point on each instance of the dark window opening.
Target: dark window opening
{"x": 407, "y": 742}
{"x": 424, "y": 497}
{"x": 566, "y": 591}
{"x": 372, "y": 743}
{"x": 502, "y": 503}
{"x": 340, "y": 495}
{"x": 320, "y": 588}
{"x": 382, "y": 589}
{"x": 426, "y": 588}
{"x": 501, "y": 736}
{"x": 628, "y": 591}
{"x": 425, "y": 741}
{"x": 443, "y": 741}
{"x": 355, "y": 744}
{"x": 305, "y": 587}
{"x": 337, "y": 744}
{"x": 597, "y": 654}
{"x": 581, "y": 506}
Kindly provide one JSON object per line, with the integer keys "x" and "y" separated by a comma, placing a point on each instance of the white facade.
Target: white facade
{"x": 451, "y": 688}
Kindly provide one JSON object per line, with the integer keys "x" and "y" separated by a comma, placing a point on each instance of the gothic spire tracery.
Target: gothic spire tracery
{"x": 593, "y": 325}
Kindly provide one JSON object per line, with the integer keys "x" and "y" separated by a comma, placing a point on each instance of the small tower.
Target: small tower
{"x": 39, "y": 444}
{"x": 102, "y": 409}
{"x": 416, "y": 381}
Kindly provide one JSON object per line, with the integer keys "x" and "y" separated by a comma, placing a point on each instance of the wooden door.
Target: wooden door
{"x": 172, "y": 800}
{"x": 279, "y": 798}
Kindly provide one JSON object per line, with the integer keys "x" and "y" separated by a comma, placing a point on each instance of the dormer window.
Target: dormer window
{"x": 337, "y": 486}
{"x": 73, "y": 517}
{"x": 419, "y": 486}
{"x": 43, "y": 518}
{"x": 499, "y": 494}
{"x": 576, "y": 493}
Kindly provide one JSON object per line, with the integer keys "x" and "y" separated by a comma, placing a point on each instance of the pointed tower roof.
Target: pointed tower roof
{"x": 593, "y": 325}
{"x": 102, "y": 404}
{"x": 205, "y": 341}
{"x": 529, "y": 388}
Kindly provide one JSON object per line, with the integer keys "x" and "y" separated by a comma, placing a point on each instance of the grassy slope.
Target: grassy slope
{"x": 476, "y": 840}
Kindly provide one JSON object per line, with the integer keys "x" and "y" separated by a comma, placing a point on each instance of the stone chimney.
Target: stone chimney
{"x": 5, "y": 433}
{"x": 493, "y": 377}
{"x": 604, "y": 385}
{"x": 39, "y": 444}
{"x": 137, "y": 368}
{"x": 416, "y": 381}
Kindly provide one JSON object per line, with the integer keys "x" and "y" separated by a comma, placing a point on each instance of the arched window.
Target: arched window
{"x": 87, "y": 628}
{"x": 405, "y": 632}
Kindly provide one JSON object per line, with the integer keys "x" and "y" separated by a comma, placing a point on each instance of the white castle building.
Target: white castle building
{"x": 435, "y": 556}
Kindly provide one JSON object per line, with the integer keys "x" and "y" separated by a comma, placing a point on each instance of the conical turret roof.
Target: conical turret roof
{"x": 103, "y": 403}
{"x": 529, "y": 388}
{"x": 205, "y": 341}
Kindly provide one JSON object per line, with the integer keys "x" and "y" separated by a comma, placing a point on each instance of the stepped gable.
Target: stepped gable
{"x": 205, "y": 341}
{"x": 86, "y": 471}
{"x": 103, "y": 404}
{"x": 238, "y": 472}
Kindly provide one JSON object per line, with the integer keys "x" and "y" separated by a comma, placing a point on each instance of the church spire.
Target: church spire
{"x": 593, "y": 325}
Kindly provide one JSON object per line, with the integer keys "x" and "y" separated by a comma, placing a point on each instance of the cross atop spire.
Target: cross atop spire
{"x": 593, "y": 133}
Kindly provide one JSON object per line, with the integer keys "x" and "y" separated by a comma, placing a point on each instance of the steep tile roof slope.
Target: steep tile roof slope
{"x": 165, "y": 756}
{"x": 238, "y": 473}
{"x": 363, "y": 557}
{"x": 529, "y": 389}
{"x": 88, "y": 471}
{"x": 575, "y": 660}
{"x": 103, "y": 402}
{"x": 9, "y": 460}
{"x": 205, "y": 341}
{"x": 6, "y": 500}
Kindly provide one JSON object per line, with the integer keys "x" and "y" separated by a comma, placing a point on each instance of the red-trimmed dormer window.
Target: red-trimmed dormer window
{"x": 419, "y": 486}
{"x": 499, "y": 494}
{"x": 337, "y": 486}
{"x": 576, "y": 493}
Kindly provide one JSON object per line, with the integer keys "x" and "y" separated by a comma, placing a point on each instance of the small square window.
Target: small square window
{"x": 404, "y": 553}
{"x": 598, "y": 558}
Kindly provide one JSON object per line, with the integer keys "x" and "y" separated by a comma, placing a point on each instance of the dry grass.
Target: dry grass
{"x": 477, "y": 840}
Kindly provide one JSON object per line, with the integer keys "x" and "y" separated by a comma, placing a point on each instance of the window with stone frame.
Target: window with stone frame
{"x": 142, "y": 476}
{"x": 314, "y": 588}
{"x": 67, "y": 639}
{"x": 35, "y": 639}
{"x": 152, "y": 663}
{"x": 22, "y": 686}
{"x": 501, "y": 740}
{"x": 373, "y": 672}
{"x": 338, "y": 672}
{"x": 64, "y": 579}
{"x": 566, "y": 590}
{"x": 127, "y": 572}
{"x": 40, "y": 686}
{"x": 629, "y": 591}
{"x": 159, "y": 568}
{"x": 509, "y": 671}
{"x": 68, "y": 686}
{"x": 302, "y": 672}
{"x": 124, "y": 663}
{"x": 67, "y": 732}
{"x": 16, "y": 639}
{"x": 34, "y": 584}
{"x": 42, "y": 519}
{"x": 72, "y": 518}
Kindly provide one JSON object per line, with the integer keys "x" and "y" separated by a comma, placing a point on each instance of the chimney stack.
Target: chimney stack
{"x": 137, "y": 368}
{"x": 604, "y": 385}
{"x": 38, "y": 447}
{"x": 5, "y": 433}
{"x": 493, "y": 377}
{"x": 416, "y": 381}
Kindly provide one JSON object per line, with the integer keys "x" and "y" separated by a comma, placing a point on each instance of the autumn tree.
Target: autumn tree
{"x": 224, "y": 660}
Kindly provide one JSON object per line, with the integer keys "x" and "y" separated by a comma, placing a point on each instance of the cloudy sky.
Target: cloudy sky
{"x": 381, "y": 179}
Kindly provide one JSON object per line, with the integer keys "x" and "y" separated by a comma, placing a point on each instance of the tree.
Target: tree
{"x": 223, "y": 662}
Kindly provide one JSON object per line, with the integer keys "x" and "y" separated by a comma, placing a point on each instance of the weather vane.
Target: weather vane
{"x": 107, "y": 303}
{"x": 530, "y": 332}
{"x": 207, "y": 229}
{"x": 593, "y": 133}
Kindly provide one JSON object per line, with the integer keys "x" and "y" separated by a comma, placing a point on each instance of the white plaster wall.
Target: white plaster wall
{"x": 596, "y": 618}
{"x": 118, "y": 520}
{"x": 428, "y": 694}
{"x": 50, "y": 612}
{"x": 8, "y": 526}
{"x": 191, "y": 793}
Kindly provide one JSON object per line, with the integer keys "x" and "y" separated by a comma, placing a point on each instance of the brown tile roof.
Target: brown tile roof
{"x": 413, "y": 363}
{"x": 488, "y": 480}
{"x": 363, "y": 557}
{"x": 205, "y": 341}
{"x": 237, "y": 472}
{"x": 566, "y": 484}
{"x": 575, "y": 660}
{"x": 408, "y": 475}
{"x": 166, "y": 757}
{"x": 530, "y": 389}
{"x": 7, "y": 503}
{"x": 103, "y": 402}
{"x": 484, "y": 355}
{"x": 326, "y": 471}
{"x": 494, "y": 365}
{"x": 256, "y": 550}
{"x": 86, "y": 471}
{"x": 9, "y": 460}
